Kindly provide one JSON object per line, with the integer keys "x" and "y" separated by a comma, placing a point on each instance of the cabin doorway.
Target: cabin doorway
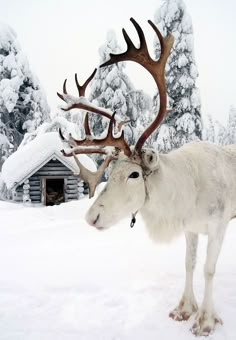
{"x": 54, "y": 191}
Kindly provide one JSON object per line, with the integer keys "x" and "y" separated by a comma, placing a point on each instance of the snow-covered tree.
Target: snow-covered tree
{"x": 209, "y": 132}
{"x": 184, "y": 121}
{"x": 139, "y": 108}
{"x": 5, "y": 145}
{"x": 23, "y": 105}
{"x": 220, "y": 134}
{"x": 58, "y": 122}
{"x": 231, "y": 127}
{"x": 112, "y": 89}
{"x": 216, "y": 132}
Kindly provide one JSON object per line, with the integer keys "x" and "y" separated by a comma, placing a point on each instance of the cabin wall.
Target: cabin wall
{"x": 18, "y": 194}
{"x": 54, "y": 168}
{"x": 35, "y": 188}
{"x": 74, "y": 188}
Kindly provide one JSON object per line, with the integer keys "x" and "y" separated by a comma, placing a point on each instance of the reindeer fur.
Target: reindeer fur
{"x": 190, "y": 190}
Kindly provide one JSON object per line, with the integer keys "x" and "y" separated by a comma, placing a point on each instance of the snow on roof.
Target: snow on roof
{"x": 28, "y": 159}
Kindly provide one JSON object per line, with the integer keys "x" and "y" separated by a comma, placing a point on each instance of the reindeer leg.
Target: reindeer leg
{"x": 206, "y": 318}
{"x": 188, "y": 305}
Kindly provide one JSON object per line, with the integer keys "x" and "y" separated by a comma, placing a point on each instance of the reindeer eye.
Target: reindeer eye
{"x": 134, "y": 174}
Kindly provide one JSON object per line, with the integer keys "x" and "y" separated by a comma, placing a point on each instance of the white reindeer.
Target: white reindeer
{"x": 190, "y": 190}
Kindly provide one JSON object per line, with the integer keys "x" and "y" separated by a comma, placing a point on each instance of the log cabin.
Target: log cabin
{"x": 38, "y": 173}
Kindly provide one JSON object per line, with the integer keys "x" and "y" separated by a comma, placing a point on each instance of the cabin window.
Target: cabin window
{"x": 54, "y": 191}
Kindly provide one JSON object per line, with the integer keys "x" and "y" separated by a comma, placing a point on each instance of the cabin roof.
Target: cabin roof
{"x": 28, "y": 159}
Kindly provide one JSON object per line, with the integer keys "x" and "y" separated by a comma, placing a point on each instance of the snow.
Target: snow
{"x": 56, "y": 122}
{"x": 186, "y": 123}
{"x": 7, "y": 34}
{"x": 71, "y": 100}
{"x": 9, "y": 92}
{"x": 64, "y": 280}
{"x": 35, "y": 154}
{"x": 182, "y": 61}
{"x": 3, "y": 140}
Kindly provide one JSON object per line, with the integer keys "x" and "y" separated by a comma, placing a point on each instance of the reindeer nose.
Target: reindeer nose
{"x": 93, "y": 216}
{"x": 95, "y": 220}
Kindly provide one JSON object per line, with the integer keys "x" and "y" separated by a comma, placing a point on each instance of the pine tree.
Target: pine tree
{"x": 184, "y": 120}
{"x": 220, "y": 134}
{"x": 209, "y": 132}
{"x": 231, "y": 126}
{"x": 216, "y": 132}
{"x": 23, "y": 105}
{"x": 139, "y": 111}
{"x": 5, "y": 145}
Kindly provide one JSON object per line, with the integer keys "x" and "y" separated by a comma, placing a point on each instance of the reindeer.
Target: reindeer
{"x": 191, "y": 189}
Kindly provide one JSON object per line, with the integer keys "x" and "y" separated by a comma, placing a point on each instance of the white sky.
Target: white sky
{"x": 62, "y": 37}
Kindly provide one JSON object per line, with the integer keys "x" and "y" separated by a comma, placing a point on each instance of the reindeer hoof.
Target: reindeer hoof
{"x": 205, "y": 323}
{"x": 184, "y": 310}
{"x": 179, "y": 315}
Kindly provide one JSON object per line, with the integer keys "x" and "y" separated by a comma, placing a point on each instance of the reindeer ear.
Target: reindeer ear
{"x": 150, "y": 159}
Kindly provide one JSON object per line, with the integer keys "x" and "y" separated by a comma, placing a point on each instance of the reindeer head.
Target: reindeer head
{"x": 125, "y": 192}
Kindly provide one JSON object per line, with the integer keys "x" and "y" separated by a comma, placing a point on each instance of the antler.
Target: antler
{"x": 91, "y": 145}
{"x": 110, "y": 140}
{"x": 92, "y": 178}
{"x": 155, "y": 67}
{"x": 81, "y": 102}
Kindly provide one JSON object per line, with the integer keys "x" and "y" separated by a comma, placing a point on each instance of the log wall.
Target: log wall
{"x": 73, "y": 187}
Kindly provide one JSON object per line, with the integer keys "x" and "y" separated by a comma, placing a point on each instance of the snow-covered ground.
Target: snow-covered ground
{"x": 63, "y": 280}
